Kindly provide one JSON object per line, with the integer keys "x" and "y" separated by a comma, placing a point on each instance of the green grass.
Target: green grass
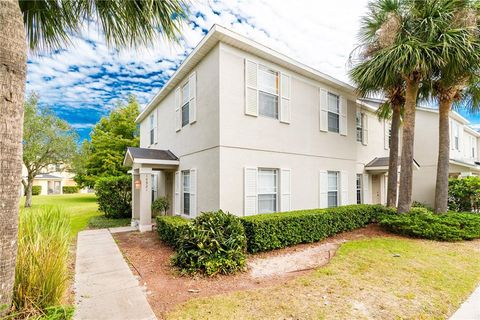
{"x": 81, "y": 207}
{"x": 100, "y": 222}
{"x": 381, "y": 278}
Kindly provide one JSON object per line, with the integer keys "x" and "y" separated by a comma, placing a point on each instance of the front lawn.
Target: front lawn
{"x": 81, "y": 207}
{"x": 382, "y": 278}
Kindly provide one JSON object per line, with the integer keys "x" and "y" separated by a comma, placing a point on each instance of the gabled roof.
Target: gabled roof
{"x": 48, "y": 176}
{"x": 380, "y": 163}
{"x": 149, "y": 156}
{"x": 220, "y": 34}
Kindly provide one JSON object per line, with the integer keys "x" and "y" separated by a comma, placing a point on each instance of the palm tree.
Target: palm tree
{"x": 374, "y": 35}
{"x": 453, "y": 81}
{"x": 47, "y": 25}
{"x": 409, "y": 40}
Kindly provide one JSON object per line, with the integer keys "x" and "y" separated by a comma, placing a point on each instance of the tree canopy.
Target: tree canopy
{"x": 110, "y": 137}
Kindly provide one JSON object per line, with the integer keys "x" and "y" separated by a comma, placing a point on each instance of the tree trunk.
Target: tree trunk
{"x": 441, "y": 189}
{"x": 28, "y": 192}
{"x": 13, "y": 60}
{"x": 393, "y": 158}
{"x": 406, "y": 166}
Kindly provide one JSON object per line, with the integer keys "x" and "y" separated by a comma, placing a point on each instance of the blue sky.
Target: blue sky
{"x": 84, "y": 81}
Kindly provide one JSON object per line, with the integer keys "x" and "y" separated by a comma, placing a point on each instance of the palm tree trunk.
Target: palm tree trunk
{"x": 406, "y": 166}
{"x": 13, "y": 62}
{"x": 28, "y": 192}
{"x": 393, "y": 158}
{"x": 441, "y": 190}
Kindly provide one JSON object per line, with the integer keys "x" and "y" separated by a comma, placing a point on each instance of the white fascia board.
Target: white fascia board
{"x": 156, "y": 161}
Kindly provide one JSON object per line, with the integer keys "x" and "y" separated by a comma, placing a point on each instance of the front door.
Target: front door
{"x": 376, "y": 189}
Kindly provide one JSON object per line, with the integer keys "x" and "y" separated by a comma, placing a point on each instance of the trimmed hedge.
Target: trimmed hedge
{"x": 70, "y": 189}
{"x": 420, "y": 223}
{"x": 169, "y": 228}
{"x": 214, "y": 243}
{"x": 114, "y": 196}
{"x": 36, "y": 190}
{"x": 273, "y": 231}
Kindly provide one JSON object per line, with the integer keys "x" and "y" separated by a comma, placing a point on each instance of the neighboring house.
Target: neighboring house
{"x": 52, "y": 179}
{"x": 242, "y": 128}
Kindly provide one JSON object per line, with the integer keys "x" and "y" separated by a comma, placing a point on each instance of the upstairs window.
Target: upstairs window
{"x": 268, "y": 83}
{"x": 473, "y": 142}
{"x": 267, "y": 190}
{"x": 333, "y": 102}
{"x": 153, "y": 125}
{"x": 359, "y": 126}
{"x": 185, "y": 105}
{"x": 333, "y": 189}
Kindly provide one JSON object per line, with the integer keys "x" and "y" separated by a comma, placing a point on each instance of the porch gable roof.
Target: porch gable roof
{"x": 148, "y": 156}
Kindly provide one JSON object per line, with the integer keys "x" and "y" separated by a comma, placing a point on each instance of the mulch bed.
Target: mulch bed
{"x": 149, "y": 258}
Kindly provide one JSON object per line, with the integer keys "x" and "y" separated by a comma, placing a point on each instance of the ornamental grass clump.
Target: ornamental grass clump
{"x": 215, "y": 243}
{"x": 41, "y": 274}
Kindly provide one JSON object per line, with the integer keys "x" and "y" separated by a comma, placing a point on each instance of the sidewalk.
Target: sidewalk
{"x": 105, "y": 288}
{"x": 470, "y": 309}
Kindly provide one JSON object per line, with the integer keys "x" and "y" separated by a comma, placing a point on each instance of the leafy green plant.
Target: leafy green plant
{"x": 169, "y": 228}
{"x": 273, "y": 231}
{"x": 464, "y": 194}
{"x": 41, "y": 274}
{"x": 70, "y": 189}
{"x": 161, "y": 205}
{"x": 36, "y": 190}
{"x": 114, "y": 196}
{"x": 214, "y": 243}
{"x": 421, "y": 223}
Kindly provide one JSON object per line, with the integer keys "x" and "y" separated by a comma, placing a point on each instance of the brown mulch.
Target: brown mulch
{"x": 149, "y": 258}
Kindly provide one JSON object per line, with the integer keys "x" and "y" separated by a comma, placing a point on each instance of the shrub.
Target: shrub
{"x": 273, "y": 231}
{"x": 169, "y": 228}
{"x": 41, "y": 274}
{"x": 464, "y": 194}
{"x": 421, "y": 223}
{"x": 418, "y": 204}
{"x": 214, "y": 243}
{"x": 114, "y": 196}
{"x": 70, "y": 189}
{"x": 36, "y": 190}
{"x": 160, "y": 205}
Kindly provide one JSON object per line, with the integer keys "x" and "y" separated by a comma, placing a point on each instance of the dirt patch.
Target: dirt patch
{"x": 149, "y": 258}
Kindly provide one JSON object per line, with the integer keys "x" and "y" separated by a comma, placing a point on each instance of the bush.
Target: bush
{"x": 41, "y": 274}
{"x": 273, "y": 231}
{"x": 169, "y": 228}
{"x": 214, "y": 243}
{"x": 101, "y": 222}
{"x": 114, "y": 196}
{"x": 36, "y": 190}
{"x": 160, "y": 205}
{"x": 421, "y": 223}
{"x": 464, "y": 194}
{"x": 417, "y": 204}
{"x": 70, "y": 189}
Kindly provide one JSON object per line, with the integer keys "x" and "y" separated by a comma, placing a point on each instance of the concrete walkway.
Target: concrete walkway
{"x": 470, "y": 309}
{"x": 105, "y": 288}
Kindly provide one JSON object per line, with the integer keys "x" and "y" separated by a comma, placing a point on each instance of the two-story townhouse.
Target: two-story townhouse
{"x": 242, "y": 128}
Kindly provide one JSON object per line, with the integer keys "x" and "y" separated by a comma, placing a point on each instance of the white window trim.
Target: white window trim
{"x": 359, "y": 177}
{"x": 337, "y": 190}
{"x": 339, "y": 112}
{"x": 276, "y": 193}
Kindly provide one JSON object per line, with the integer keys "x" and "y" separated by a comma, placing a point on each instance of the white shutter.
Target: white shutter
{"x": 343, "y": 116}
{"x": 460, "y": 138}
{"x": 250, "y": 183}
{"x": 452, "y": 135}
{"x": 192, "y": 106}
{"x": 285, "y": 111}
{"x": 251, "y": 91}
{"x": 366, "y": 189}
{"x": 323, "y": 110}
{"x": 323, "y": 189}
{"x": 344, "y": 188}
{"x": 365, "y": 129}
{"x": 155, "y": 124}
{"x": 386, "y": 128}
{"x": 285, "y": 190}
{"x": 193, "y": 192}
{"x": 177, "y": 205}
{"x": 178, "y": 113}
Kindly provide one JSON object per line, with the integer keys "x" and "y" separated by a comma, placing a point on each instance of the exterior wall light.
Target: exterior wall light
{"x": 138, "y": 184}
